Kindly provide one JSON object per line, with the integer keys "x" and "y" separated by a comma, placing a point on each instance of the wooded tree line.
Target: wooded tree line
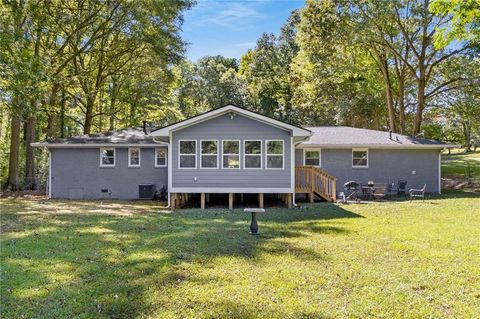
{"x": 86, "y": 66}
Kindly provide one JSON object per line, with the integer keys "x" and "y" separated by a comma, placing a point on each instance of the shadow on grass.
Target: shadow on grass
{"x": 82, "y": 259}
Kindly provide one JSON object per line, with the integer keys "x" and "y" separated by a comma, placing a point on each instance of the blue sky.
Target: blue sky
{"x": 230, "y": 28}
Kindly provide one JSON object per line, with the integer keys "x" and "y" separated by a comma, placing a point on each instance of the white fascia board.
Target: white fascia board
{"x": 96, "y": 145}
{"x": 296, "y": 131}
{"x": 375, "y": 146}
{"x": 225, "y": 190}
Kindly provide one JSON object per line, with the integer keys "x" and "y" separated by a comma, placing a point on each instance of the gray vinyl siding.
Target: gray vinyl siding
{"x": 240, "y": 128}
{"x": 76, "y": 173}
{"x": 384, "y": 166}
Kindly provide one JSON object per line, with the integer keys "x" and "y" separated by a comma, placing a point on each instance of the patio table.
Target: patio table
{"x": 368, "y": 192}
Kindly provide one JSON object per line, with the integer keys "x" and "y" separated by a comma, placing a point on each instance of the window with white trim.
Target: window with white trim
{"x": 208, "y": 154}
{"x": 252, "y": 157}
{"x": 274, "y": 157}
{"x": 359, "y": 157}
{"x": 230, "y": 154}
{"x": 187, "y": 155}
{"x": 312, "y": 157}
{"x": 160, "y": 157}
{"x": 107, "y": 157}
{"x": 133, "y": 157}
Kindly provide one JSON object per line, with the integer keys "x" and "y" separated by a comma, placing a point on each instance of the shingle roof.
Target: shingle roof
{"x": 350, "y": 136}
{"x": 323, "y": 136}
{"x": 130, "y": 135}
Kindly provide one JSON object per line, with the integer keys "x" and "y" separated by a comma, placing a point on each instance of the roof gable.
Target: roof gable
{"x": 296, "y": 130}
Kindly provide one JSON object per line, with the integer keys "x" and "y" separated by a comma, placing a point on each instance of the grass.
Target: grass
{"x": 63, "y": 259}
{"x": 457, "y": 164}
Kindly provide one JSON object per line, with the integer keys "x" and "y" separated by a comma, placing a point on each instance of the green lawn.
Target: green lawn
{"x": 457, "y": 164}
{"x": 63, "y": 259}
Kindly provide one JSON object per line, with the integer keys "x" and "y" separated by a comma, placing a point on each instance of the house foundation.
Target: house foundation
{"x": 230, "y": 200}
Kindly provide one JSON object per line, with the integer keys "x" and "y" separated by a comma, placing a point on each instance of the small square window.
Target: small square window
{"x": 360, "y": 158}
{"x": 160, "y": 157}
{"x": 312, "y": 158}
{"x": 134, "y": 157}
{"x": 107, "y": 157}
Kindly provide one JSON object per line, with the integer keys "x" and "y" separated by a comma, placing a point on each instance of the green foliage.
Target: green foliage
{"x": 464, "y": 22}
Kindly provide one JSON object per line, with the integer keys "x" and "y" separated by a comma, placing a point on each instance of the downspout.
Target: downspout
{"x": 293, "y": 164}
{"x": 168, "y": 169}
{"x": 49, "y": 190}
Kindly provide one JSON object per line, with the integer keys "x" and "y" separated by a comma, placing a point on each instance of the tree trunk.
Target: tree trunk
{"x": 417, "y": 125}
{"x": 382, "y": 63}
{"x": 467, "y": 137}
{"x": 388, "y": 92}
{"x": 51, "y": 114}
{"x": 401, "y": 104}
{"x": 30, "y": 125}
{"x": 87, "y": 126}
{"x": 62, "y": 115}
{"x": 13, "y": 164}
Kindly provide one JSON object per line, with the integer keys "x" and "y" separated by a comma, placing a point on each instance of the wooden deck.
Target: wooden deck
{"x": 313, "y": 181}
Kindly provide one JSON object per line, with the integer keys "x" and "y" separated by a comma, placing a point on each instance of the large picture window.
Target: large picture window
{"x": 230, "y": 154}
{"x": 107, "y": 157}
{"x": 252, "y": 154}
{"x": 209, "y": 154}
{"x": 160, "y": 157}
{"x": 360, "y": 158}
{"x": 312, "y": 157}
{"x": 133, "y": 157}
{"x": 187, "y": 155}
{"x": 274, "y": 157}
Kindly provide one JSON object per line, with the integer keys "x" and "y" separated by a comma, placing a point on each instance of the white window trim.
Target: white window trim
{"x": 266, "y": 155}
{"x": 245, "y": 154}
{"x": 319, "y": 150}
{"x": 360, "y": 150}
{"x": 114, "y": 156}
{"x": 201, "y": 153}
{"x": 239, "y": 156}
{"x": 166, "y": 156}
{"x": 179, "y": 154}
{"x": 139, "y": 157}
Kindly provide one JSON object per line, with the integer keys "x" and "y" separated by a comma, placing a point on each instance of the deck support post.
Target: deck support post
{"x": 260, "y": 200}
{"x": 311, "y": 196}
{"x": 241, "y": 197}
{"x": 173, "y": 198}
{"x": 202, "y": 200}
{"x": 230, "y": 200}
{"x": 207, "y": 197}
{"x": 289, "y": 200}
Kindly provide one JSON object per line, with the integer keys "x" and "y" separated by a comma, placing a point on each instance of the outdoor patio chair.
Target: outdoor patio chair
{"x": 420, "y": 193}
{"x": 401, "y": 187}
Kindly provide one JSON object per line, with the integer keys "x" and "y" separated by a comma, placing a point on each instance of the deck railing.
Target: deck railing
{"x": 310, "y": 179}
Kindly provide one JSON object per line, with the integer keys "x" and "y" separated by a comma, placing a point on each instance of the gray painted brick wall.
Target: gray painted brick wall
{"x": 76, "y": 173}
{"x": 385, "y": 166}
{"x": 222, "y": 127}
